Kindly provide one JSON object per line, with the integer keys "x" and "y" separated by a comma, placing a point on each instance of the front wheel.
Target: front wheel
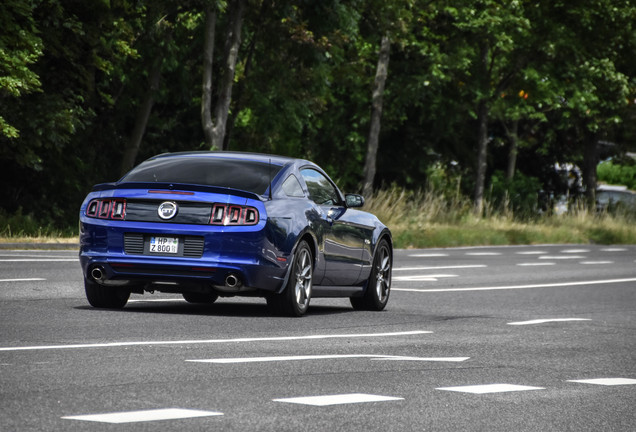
{"x": 294, "y": 300}
{"x": 106, "y": 297}
{"x": 378, "y": 289}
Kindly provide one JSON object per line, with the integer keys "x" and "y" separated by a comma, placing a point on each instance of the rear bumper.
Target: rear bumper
{"x": 246, "y": 254}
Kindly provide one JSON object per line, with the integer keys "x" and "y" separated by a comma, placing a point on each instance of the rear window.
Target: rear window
{"x": 249, "y": 176}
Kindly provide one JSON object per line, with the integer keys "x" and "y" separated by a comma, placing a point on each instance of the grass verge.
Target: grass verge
{"x": 427, "y": 219}
{"x": 420, "y": 220}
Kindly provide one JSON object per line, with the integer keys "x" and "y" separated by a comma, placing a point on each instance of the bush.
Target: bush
{"x": 611, "y": 173}
{"x": 519, "y": 195}
{"x": 26, "y": 225}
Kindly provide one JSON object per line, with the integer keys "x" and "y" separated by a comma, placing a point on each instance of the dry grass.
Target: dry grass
{"x": 420, "y": 219}
{"x": 427, "y": 219}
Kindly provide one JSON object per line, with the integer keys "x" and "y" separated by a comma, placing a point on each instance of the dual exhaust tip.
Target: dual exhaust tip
{"x": 231, "y": 280}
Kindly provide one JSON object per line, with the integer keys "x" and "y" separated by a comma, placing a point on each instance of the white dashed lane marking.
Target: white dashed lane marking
{"x": 536, "y": 264}
{"x": 575, "y": 251}
{"x": 532, "y": 253}
{"x": 607, "y": 381}
{"x": 440, "y": 267}
{"x": 596, "y": 262}
{"x": 39, "y": 260}
{"x": 483, "y": 253}
{"x": 561, "y": 257}
{"x": 490, "y": 388}
{"x": 338, "y": 399}
{"x": 328, "y": 357}
{"x": 144, "y": 416}
{"x": 614, "y": 250}
{"x": 422, "y": 278}
{"x": 23, "y": 280}
{"x": 549, "y": 320}
{"x": 429, "y": 255}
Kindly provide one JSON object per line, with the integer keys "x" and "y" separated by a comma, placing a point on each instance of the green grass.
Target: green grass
{"x": 421, "y": 220}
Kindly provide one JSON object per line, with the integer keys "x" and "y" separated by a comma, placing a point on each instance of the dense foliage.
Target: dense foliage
{"x": 491, "y": 93}
{"x": 618, "y": 174}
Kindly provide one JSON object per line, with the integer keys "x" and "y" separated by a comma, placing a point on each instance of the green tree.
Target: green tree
{"x": 20, "y": 48}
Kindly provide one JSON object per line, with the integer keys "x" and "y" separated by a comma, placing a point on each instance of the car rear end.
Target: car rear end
{"x": 176, "y": 237}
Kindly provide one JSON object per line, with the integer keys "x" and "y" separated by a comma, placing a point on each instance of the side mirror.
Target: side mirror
{"x": 354, "y": 200}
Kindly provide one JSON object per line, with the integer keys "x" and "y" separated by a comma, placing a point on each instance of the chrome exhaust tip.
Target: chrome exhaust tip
{"x": 98, "y": 274}
{"x": 232, "y": 281}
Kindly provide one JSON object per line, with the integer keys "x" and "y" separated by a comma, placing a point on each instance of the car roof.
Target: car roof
{"x": 254, "y": 157}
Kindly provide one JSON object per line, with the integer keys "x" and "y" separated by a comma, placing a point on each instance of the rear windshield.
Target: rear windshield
{"x": 249, "y": 176}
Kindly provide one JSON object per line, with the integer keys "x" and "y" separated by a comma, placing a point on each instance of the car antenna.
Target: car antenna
{"x": 269, "y": 173}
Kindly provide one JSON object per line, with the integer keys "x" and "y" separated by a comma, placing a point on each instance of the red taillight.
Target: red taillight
{"x": 92, "y": 208}
{"x": 230, "y": 214}
{"x": 107, "y": 209}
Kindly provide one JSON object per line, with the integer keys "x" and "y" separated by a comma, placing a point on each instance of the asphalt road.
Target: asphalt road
{"x": 533, "y": 338}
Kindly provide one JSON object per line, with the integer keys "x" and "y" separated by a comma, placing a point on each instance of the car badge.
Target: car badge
{"x": 167, "y": 210}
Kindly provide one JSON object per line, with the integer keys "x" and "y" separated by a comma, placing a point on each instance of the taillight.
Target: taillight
{"x": 107, "y": 208}
{"x": 231, "y": 214}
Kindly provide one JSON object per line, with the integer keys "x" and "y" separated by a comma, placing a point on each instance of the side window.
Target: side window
{"x": 321, "y": 191}
{"x": 292, "y": 187}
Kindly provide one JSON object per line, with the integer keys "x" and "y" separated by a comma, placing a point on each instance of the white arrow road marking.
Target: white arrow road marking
{"x": 143, "y": 416}
{"x": 326, "y": 357}
{"x": 338, "y": 399}
{"x": 542, "y": 321}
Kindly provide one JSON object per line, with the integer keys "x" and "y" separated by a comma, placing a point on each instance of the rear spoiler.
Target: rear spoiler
{"x": 178, "y": 186}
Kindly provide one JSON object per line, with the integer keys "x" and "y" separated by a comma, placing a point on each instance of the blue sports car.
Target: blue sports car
{"x": 210, "y": 224}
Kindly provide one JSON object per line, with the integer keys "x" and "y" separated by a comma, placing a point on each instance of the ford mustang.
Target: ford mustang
{"x": 210, "y": 224}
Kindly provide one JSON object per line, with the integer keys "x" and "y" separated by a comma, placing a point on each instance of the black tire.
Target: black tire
{"x": 295, "y": 298}
{"x": 376, "y": 294}
{"x": 200, "y": 298}
{"x": 106, "y": 297}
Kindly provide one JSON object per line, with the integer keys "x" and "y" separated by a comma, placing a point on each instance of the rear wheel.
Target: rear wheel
{"x": 378, "y": 289}
{"x": 200, "y": 297}
{"x": 106, "y": 297}
{"x": 295, "y": 298}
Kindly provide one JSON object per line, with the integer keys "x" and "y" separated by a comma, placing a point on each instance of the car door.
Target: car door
{"x": 341, "y": 241}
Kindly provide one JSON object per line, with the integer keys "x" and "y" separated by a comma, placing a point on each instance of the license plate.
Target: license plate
{"x": 164, "y": 245}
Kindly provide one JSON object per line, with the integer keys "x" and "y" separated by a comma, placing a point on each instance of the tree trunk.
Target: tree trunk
{"x": 513, "y": 137}
{"x": 251, "y": 49}
{"x": 132, "y": 148}
{"x": 208, "y": 59}
{"x": 214, "y": 129}
{"x": 376, "y": 115}
{"x": 482, "y": 137}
